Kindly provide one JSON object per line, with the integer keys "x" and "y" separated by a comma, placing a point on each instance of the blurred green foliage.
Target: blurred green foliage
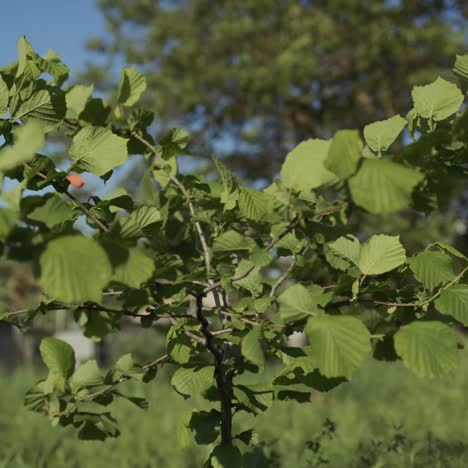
{"x": 405, "y": 422}
{"x": 251, "y": 78}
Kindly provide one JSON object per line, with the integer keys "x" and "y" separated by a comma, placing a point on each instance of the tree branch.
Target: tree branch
{"x": 80, "y": 205}
{"x": 223, "y": 380}
{"x": 108, "y": 388}
{"x": 282, "y": 278}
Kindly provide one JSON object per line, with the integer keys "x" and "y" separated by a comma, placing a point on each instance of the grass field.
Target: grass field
{"x": 385, "y": 418}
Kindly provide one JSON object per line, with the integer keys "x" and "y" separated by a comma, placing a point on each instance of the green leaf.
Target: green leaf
{"x": 299, "y": 301}
{"x": 98, "y": 150}
{"x": 378, "y": 255}
{"x": 190, "y": 381}
{"x": 131, "y": 86}
{"x": 134, "y": 268}
{"x": 52, "y": 211}
{"x": 203, "y": 424}
{"x": 163, "y": 175}
{"x": 251, "y": 348}
{"x": 26, "y": 66}
{"x": 228, "y": 179}
{"x": 348, "y": 247}
{"x": 431, "y": 268}
{"x": 450, "y": 249}
{"x": 382, "y": 186}
{"x": 28, "y": 140}
{"x": 76, "y": 99}
{"x": 304, "y": 168}
{"x": 226, "y": 456}
{"x": 380, "y": 135}
{"x": 179, "y": 346}
{"x": 58, "y": 356}
{"x": 429, "y": 349}
{"x": 137, "y": 224}
{"x": 461, "y": 66}
{"x": 253, "y": 204}
{"x": 87, "y": 375}
{"x": 4, "y": 92}
{"x": 95, "y": 324}
{"x": 7, "y": 222}
{"x": 381, "y": 254}
{"x": 453, "y": 301}
{"x": 438, "y": 100}
{"x": 174, "y": 143}
{"x": 231, "y": 240}
{"x": 291, "y": 242}
{"x": 46, "y": 107}
{"x": 128, "y": 367}
{"x": 51, "y": 64}
{"x": 255, "y": 398}
{"x": 344, "y": 153}
{"x": 339, "y": 344}
{"x": 74, "y": 269}
{"x": 252, "y": 281}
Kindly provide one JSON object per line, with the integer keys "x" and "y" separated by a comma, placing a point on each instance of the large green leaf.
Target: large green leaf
{"x": 52, "y": 64}
{"x": 87, "y": 375}
{"x": 3, "y": 97}
{"x": 381, "y": 254}
{"x": 52, "y": 210}
{"x": 29, "y": 139}
{"x": 231, "y": 240}
{"x": 251, "y": 348}
{"x": 344, "y": 153}
{"x": 461, "y": 66}
{"x": 347, "y": 247}
{"x": 45, "y": 106}
{"x": 431, "y": 268}
{"x": 179, "y": 345}
{"x": 378, "y": 255}
{"x": 226, "y": 456}
{"x": 26, "y": 66}
{"x": 133, "y": 267}
{"x": 299, "y": 301}
{"x": 380, "y": 135}
{"x": 74, "y": 269}
{"x": 191, "y": 381}
{"x": 131, "y": 86}
{"x": 76, "y": 99}
{"x": 137, "y": 224}
{"x": 251, "y": 278}
{"x": 98, "y": 150}
{"x": 7, "y": 222}
{"x": 438, "y": 100}
{"x": 453, "y": 301}
{"x": 59, "y": 357}
{"x": 450, "y": 249}
{"x": 429, "y": 349}
{"x": 304, "y": 168}
{"x": 339, "y": 344}
{"x": 253, "y": 204}
{"x": 382, "y": 186}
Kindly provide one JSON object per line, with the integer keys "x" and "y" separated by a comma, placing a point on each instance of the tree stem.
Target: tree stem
{"x": 223, "y": 380}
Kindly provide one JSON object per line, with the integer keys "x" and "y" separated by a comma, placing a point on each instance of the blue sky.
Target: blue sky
{"x": 58, "y": 24}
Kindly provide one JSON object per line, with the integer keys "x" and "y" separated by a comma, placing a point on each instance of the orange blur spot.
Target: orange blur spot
{"x": 75, "y": 180}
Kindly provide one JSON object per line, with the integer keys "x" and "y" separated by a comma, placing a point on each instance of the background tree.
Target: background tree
{"x": 250, "y": 79}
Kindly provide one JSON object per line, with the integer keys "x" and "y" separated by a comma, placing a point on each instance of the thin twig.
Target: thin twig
{"x": 70, "y": 125}
{"x": 107, "y": 388}
{"x": 80, "y": 205}
{"x": 282, "y": 278}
